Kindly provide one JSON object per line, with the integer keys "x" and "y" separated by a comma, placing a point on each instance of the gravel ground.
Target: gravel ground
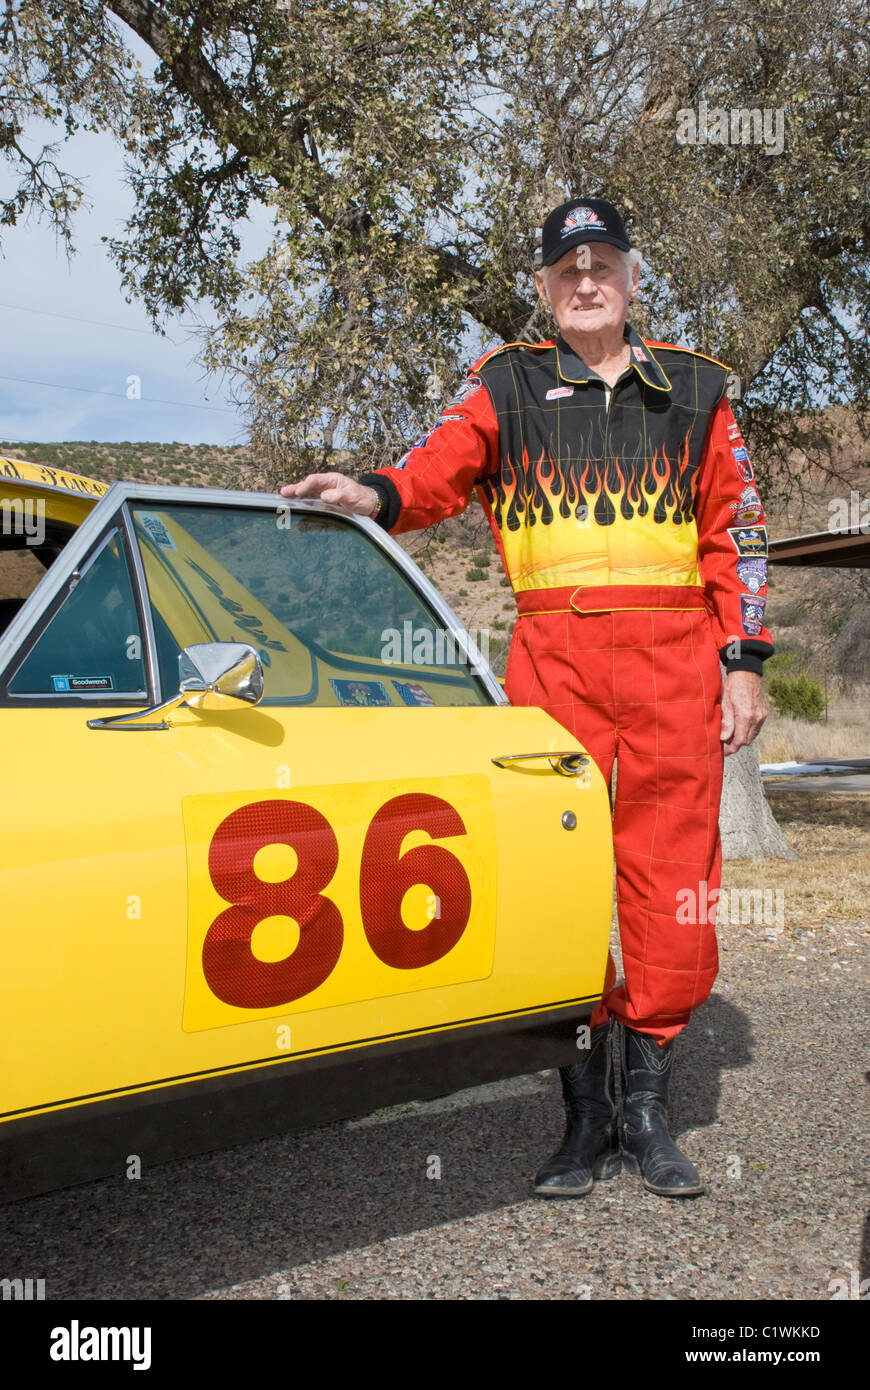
{"x": 770, "y": 1099}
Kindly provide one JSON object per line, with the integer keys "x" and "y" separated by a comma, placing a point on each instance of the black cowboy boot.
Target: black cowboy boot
{"x": 590, "y": 1148}
{"x": 647, "y": 1147}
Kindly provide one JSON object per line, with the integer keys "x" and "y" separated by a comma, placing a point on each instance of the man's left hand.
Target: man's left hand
{"x": 744, "y": 710}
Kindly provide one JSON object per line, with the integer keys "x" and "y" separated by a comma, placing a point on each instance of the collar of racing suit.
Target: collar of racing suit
{"x": 572, "y": 367}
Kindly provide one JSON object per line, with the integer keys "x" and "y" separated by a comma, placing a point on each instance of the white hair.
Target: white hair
{"x": 629, "y": 259}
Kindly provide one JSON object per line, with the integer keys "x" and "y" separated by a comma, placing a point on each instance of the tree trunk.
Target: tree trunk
{"x": 746, "y": 822}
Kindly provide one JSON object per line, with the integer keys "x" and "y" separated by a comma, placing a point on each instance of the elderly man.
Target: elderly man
{"x": 623, "y": 505}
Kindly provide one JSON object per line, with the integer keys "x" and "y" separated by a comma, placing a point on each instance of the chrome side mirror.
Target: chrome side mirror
{"x": 215, "y": 676}
{"x": 220, "y": 676}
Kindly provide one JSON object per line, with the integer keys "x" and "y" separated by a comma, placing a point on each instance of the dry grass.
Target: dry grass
{"x": 828, "y": 885}
{"x": 825, "y": 891}
{"x": 783, "y": 740}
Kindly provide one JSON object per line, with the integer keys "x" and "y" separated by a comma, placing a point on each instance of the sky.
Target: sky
{"x": 65, "y": 322}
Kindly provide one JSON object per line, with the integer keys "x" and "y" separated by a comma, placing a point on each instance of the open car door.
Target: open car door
{"x": 381, "y": 882}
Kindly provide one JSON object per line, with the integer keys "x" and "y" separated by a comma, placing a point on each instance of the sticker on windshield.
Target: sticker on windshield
{"x": 157, "y": 531}
{"x": 68, "y": 684}
{"x": 413, "y": 693}
{"x": 360, "y": 692}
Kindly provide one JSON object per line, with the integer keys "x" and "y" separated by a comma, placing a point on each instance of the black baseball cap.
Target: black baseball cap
{"x": 579, "y": 220}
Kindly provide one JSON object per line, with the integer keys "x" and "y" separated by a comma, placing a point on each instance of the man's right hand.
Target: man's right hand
{"x": 343, "y": 492}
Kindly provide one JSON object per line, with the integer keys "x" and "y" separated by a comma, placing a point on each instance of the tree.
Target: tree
{"x": 410, "y": 148}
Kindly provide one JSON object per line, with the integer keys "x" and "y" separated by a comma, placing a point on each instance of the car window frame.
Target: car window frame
{"x": 115, "y": 525}
{"x": 468, "y": 656}
{"x": 115, "y": 511}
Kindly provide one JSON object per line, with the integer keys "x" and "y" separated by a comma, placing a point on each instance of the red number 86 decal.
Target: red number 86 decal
{"x": 238, "y": 977}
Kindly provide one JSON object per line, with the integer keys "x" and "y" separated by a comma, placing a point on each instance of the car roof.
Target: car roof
{"x": 43, "y": 475}
{"x": 67, "y": 497}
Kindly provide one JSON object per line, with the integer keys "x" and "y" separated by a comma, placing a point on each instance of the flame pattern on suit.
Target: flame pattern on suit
{"x": 635, "y": 497}
{"x": 594, "y": 521}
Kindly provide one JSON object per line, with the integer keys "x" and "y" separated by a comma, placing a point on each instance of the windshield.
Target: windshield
{"x": 332, "y": 616}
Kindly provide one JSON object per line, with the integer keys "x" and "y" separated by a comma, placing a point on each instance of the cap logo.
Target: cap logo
{"x": 582, "y": 217}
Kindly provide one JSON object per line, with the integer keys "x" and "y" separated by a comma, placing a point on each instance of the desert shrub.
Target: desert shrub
{"x": 851, "y": 655}
{"x": 797, "y": 697}
{"x": 836, "y": 618}
{"x": 784, "y": 660}
{"x": 790, "y": 614}
{"x": 498, "y": 653}
{"x": 475, "y": 573}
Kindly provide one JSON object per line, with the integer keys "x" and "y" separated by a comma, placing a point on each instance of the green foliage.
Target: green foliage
{"x": 475, "y": 573}
{"x": 784, "y": 659}
{"x": 798, "y": 697}
{"x": 409, "y": 149}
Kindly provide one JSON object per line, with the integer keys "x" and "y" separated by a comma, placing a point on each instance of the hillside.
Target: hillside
{"x": 185, "y": 465}
{"x": 820, "y": 618}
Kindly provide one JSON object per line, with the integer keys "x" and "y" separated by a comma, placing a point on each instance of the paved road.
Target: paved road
{"x": 838, "y": 782}
{"x": 770, "y": 1100}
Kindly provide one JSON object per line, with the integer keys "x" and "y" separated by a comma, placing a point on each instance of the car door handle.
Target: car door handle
{"x": 570, "y": 764}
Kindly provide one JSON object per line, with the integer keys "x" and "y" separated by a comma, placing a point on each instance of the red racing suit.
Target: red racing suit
{"x": 633, "y": 536}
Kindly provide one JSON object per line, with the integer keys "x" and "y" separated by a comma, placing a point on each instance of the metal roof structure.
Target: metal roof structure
{"x": 832, "y": 549}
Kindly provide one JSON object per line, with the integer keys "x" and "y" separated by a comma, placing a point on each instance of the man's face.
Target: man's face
{"x": 587, "y": 292}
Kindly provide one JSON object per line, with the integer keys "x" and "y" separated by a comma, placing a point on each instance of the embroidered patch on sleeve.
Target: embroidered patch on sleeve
{"x": 752, "y": 613}
{"x": 752, "y": 573}
{"x": 470, "y": 387}
{"x": 749, "y": 540}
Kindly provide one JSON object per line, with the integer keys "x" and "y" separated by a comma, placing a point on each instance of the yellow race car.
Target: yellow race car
{"x": 276, "y": 849}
